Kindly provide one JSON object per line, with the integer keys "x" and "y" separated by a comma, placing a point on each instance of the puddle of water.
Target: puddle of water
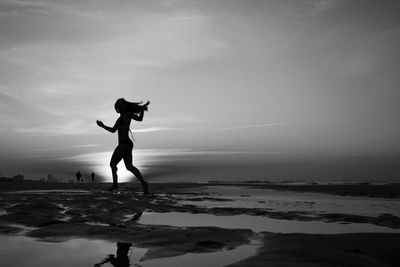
{"x": 221, "y": 258}
{"x": 258, "y": 223}
{"x": 248, "y": 197}
{"x": 26, "y": 251}
{"x": 24, "y": 228}
{"x": 65, "y": 218}
{"x": 97, "y": 223}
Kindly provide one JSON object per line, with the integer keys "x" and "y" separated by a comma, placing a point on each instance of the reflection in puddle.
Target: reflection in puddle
{"x": 26, "y": 251}
{"x": 123, "y": 256}
{"x": 132, "y": 218}
{"x": 258, "y": 223}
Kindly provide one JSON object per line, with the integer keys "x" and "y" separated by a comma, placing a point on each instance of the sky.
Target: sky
{"x": 239, "y": 89}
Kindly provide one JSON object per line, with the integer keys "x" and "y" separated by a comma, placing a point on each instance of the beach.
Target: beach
{"x": 199, "y": 224}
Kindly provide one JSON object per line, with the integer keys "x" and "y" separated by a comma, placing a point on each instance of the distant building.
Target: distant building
{"x": 18, "y": 178}
{"x": 51, "y": 179}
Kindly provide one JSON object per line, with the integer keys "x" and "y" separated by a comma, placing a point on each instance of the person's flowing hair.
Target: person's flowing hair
{"x": 132, "y": 107}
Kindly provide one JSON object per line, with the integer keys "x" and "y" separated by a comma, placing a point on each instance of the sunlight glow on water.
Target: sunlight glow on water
{"x": 143, "y": 159}
{"x": 100, "y": 163}
{"x": 190, "y": 165}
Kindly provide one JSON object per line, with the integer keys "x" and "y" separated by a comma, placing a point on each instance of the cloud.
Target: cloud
{"x": 239, "y": 127}
{"x": 79, "y": 50}
{"x": 191, "y": 128}
{"x": 13, "y": 8}
{"x": 87, "y": 145}
{"x": 76, "y": 127}
{"x": 167, "y": 40}
{"x": 57, "y": 90}
{"x": 249, "y": 126}
{"x": 152, "y": 129}
{"x": 116, "y": 35}
{"x": 323, "y": 5}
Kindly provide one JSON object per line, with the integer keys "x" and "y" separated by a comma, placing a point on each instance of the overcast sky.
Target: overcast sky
{"x": 239, "y": 89}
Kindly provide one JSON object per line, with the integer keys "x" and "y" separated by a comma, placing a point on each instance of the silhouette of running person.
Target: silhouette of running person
{"x": 78, "y": 176}
{"x": 122, "y": 259}
{"x": 93, "y": 175}
{"x": 127, "y": 111}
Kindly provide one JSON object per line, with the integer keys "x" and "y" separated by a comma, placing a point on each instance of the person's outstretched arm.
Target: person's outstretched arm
{"x": 105, "y": 127}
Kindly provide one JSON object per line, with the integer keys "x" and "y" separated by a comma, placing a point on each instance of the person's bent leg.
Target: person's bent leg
{"x": 115, "y": 159}
{"x": 114, "y": 170}
{"x": 135, "y": 171}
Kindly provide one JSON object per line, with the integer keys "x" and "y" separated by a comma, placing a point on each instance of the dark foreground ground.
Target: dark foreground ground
{"x": 92, "y": 212}
{"x": 303, "y": 250}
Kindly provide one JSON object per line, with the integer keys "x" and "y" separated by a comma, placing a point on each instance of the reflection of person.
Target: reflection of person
{"x": 93, "y": 175}
{"x": 127, "y": 111}
{"x": 122, "y": 259}
{"x": 137, "y": 216}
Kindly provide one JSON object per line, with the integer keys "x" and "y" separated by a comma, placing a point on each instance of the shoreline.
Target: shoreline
{"x": 389, "y": 190}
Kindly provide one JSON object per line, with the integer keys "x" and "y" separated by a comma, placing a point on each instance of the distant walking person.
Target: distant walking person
{"x": 127, "y": 111}
{"x": 93, "y": 175}
{"x": 78, "y": 176}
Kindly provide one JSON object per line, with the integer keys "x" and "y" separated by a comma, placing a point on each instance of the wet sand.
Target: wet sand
{"x": 301, "y": 250}
{"x": 63, "y": 211}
